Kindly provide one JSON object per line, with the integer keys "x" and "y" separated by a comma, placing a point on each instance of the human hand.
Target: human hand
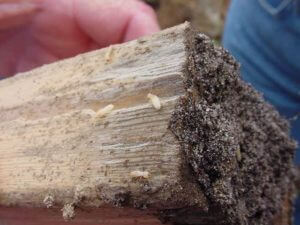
{"x": 37, "y": 32}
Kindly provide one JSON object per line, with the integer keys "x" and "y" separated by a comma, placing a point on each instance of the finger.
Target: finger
{"x": 13, "y": 14}
{"x": 143, "y": 22}
{"x": 56, "y": 30}
{"x": 114, "y": 21}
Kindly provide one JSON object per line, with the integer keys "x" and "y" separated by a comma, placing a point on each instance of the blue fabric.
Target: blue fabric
{"x": 264, "y": 36}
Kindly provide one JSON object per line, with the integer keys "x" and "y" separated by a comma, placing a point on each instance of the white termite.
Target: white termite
{"x": 109, "y": 54}
{"x": 105, "y": 111}
{"x": 140, "y": 174}
{"x": 155, "y": 101}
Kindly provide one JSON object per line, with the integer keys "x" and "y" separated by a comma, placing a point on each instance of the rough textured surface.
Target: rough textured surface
{"x": 82, "y": 134}
{"x": 237, "y": 145}
{"x": 77, "y": 130}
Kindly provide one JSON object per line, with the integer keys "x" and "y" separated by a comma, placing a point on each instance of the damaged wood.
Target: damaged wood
{"x": 157, "y": 129}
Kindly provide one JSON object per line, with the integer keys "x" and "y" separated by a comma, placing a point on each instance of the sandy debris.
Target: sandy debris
{"x": 88, "y": 112}
{"x": 238, "y": 154}
{"x": 49, "y": 201}
{"x": 68, "y": 211}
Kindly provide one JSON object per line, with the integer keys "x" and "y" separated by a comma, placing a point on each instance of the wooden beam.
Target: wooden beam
{"x": 162, "y": 124}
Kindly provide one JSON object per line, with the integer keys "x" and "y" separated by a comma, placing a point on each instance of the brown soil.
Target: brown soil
{"x": 236, "y": 144}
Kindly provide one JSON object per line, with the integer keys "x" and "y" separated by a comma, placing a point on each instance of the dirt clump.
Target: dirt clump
{"x": 236, "y": 144}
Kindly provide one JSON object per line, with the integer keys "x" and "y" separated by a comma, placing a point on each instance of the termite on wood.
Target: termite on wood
{"x": 109, "y": 54}
{"x": 104, "y": 111}
{"x": 155, "y": 101}
{"x": 136, "y": 175}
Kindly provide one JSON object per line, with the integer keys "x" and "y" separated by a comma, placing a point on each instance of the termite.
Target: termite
{"x": 140, "y": 174}
{"x": 104, "y": 111}
{"x": 155, "y": 101}
{"x": 109, "y": 54}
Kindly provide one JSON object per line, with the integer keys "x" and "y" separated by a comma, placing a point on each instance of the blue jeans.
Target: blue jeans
{"x": 264, "y": 36}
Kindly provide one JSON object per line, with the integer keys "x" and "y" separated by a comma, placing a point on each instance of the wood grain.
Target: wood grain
{"x": 122, "y": 132}
{"x": 55, "y": 143}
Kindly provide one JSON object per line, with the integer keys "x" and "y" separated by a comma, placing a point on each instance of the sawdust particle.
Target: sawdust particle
{"x": 49, "y": 201}
{"x": 68, "y": 212}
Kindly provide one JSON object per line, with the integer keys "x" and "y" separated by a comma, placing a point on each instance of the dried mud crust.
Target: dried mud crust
{"x": 236, "y": 144}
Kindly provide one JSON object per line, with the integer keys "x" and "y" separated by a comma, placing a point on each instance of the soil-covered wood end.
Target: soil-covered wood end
{"x": 237, "y": 145}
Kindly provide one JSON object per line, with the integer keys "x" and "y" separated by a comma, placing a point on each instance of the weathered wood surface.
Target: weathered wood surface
{"x": 53, "y": 142}
{"x": 84, "y": 134}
